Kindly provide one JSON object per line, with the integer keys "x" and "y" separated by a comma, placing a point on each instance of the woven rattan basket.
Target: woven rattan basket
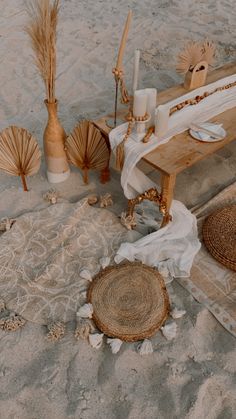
{"x": 219, "y": 235}
{"x": 130, "y": 301}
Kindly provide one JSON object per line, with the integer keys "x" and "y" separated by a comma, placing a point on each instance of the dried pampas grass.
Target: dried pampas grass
{"x": 42, "y": 32}
{"x": 19, "y": 153}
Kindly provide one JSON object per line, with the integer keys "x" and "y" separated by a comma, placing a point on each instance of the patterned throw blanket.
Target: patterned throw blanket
{"x": 42, "y": 255}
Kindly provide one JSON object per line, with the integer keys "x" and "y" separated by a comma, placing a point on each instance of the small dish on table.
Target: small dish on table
{"x": 207, "y": 132}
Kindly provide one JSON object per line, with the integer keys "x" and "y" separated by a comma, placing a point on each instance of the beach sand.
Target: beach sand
{"x": 193, "y": 376}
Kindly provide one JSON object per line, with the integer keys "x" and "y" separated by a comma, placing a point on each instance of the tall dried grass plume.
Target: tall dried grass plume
{"x": 42, "y": 32}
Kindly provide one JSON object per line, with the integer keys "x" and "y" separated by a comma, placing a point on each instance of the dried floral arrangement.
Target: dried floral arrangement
{"x": 87, "y": 149}
{"x": 193, "y": 53}
{"x": 19, "y": 153}
{"x": 42, "y": 33}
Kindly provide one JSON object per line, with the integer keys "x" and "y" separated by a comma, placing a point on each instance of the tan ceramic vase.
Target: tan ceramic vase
{"x": 54, "y": 139}
{"x": 197, "y": 77}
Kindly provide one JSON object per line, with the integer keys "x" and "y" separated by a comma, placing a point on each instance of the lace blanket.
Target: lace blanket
{"x": 41, "y": 258}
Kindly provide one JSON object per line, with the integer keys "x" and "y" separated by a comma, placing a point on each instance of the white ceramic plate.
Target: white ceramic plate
{"x": 201, "y": 136}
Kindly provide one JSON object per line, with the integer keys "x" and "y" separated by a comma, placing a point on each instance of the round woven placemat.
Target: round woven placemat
{"x": 219, "y": 235}
{"x": 130, "y": 301}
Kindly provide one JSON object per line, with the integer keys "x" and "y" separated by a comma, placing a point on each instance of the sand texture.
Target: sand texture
{"x": 193, "y": 376}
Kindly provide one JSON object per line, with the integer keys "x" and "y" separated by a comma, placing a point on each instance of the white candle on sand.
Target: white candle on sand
{"x": 136, "y": 69}
{"x": 162, "y": 118}
{"x": 140, "y": 103}
{"x": 151, "y": 105}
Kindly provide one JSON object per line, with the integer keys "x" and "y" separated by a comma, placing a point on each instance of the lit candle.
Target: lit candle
{"x": 136, "y": 69}
{"x": 151, "y": 105}
{"x": 140, "y": 103}
{"x": 123, "y": 42}
{"x": 162, "y": 118}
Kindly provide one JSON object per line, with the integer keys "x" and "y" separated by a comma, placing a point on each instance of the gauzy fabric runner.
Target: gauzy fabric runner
{"x": 133, "y": 180}
{"x": 176, "y": 245}
{"x": 172, "y": 247}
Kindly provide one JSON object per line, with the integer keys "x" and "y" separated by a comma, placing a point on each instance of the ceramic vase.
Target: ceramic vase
{"x": 197, "y": 77}
{"x": 54, "y": 150}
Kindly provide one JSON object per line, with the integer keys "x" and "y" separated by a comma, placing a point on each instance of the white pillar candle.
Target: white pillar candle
{"x": 162, "y": 118}
{"x": 136, "y": 69}
{"x": 140, "y": 103}
{"x": 151, "y": 105}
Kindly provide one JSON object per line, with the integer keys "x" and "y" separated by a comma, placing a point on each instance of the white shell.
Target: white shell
{"x": 146, "y": 347}
{"x": 86, "y": 311}
{"x": 115, "y": 345}
{"x": 92, "y": 199}
{"x": 176, "y": 313}
{"x": 86, "y": 274}
{"x": 169, "y": 331}
{"x": 51, "y": 196}
{"x": 104, "y": 262}
{"x": 83, "y": 328}
{"x": 6, "y": 223}
{"x": 128, "y": 221}
{"x": 106, "y": 200}
{"x": 95, "y": 340}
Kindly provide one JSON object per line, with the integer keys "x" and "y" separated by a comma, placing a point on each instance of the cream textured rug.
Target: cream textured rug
{"x": 210, "y": 282}
{"x": 43, "y": 254}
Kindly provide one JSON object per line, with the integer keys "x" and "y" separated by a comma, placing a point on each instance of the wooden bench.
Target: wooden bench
{"x": 182, "y": 151}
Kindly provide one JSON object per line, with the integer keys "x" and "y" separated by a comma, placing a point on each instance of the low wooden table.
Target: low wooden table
{"x": 182, "y": 151}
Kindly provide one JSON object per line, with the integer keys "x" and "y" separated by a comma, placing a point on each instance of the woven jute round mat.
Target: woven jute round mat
{"x": 219, "y": 235}
{"x": 130, "y": 301}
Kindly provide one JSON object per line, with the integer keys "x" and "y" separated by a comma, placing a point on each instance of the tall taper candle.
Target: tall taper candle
{"x": 123, "y": 42}
{"x": 136, "y": 69}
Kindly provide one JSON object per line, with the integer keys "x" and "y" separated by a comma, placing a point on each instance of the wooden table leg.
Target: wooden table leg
{"x": 167, "y": 190}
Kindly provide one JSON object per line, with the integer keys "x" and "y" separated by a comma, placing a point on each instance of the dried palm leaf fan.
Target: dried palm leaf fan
{"x": 86, "y": 148}
{"x": 193, "y": 61}
{"x": 19, "y": 153}
{"x": 42, "y": 32}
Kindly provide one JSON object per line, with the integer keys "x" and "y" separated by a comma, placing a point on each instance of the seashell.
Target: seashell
{"x": 19, "y": 153}
{"x": 86, "y": 274}
{"x": 87, "y": 149}
{"x": 86, "y": 311}
{"x": 128, "y": 221}
{"x": 104, "y": 262}
{"x": 83, "y": 328}
{"x": 115, "y": 344}
{"x": 177, "y": 313}
{"x": 106, "y": 201}
{"x": 169, "y": 330}
{"x": 92, "y": 199}
{"x": 51, "y": 196}
{"x": 146, "y": 347}
{"x": 96, "y": 339}
{"x": 6, "y": 224}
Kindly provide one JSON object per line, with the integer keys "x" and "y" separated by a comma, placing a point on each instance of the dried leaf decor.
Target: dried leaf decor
{"x": 86, "y": 148}
{"x": 193, "y": 53}
{"x": 19, "y": 153}
{"x": 42, "y": 32}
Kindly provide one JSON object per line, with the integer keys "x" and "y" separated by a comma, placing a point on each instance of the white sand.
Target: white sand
{"x": 192, "y": 377}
